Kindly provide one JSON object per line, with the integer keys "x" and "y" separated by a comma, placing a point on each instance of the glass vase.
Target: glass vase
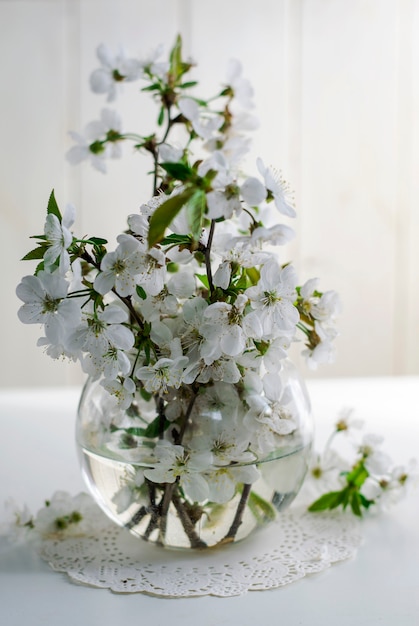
{"x": 196, "y": 469}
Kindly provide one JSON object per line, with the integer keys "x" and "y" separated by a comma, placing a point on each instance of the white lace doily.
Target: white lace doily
{"x": 299, "y": 543}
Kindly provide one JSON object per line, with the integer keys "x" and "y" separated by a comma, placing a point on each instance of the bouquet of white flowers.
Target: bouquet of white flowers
{"x": 184, "y": 329}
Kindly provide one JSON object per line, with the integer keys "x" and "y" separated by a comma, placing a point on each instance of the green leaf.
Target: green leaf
{"x": 39, "y": 268}
{"x": 204, "y": 279}
{"x": 36, "y": 253}
{"x": 53, "y": 206}
{"x": 42, "y": 237}
{"x": 263, "y": 510}
{"x": 99, "y": 252}
{"x": 253, "y": 275}
{"x": 195, "y": 210}
{"x": 176, "y": 58}
{"x": 153, "y": 87}
{"x": 356, "y": 504}
{"x": 141, "y": 293}
{"x": 346, "y": 497}
{"x": 154, "y": 428}
{"x": 358, "y": 475}
{"x": 188, "y": 84}
{"x": 242, "y": 281}
{"x": 329, "y": 500}
{"x": 365, "y": 502}
{"x": 202, "y": 103}
{"x": 160, "y": 118}
{"x": 146, "y": 395}
{"x": 97, "y": 241}
{"x": 174, "y": 239}
{"x": 147, "y": 353}
{"x": 179, "y": 171}
{"x": 165, "y": 214}
{"x": 135, "y": 431}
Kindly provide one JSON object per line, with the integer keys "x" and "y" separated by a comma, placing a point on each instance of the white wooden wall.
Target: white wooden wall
{"x": 337, "y": 93}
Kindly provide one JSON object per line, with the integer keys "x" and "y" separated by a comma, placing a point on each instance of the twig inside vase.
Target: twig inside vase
{"x": 137, "y": 517}
{"x": 164, "y": 508}
{"x": 185, "y": 419}
{"x": 238, "y": 518}
{"x": 187, "y": 523}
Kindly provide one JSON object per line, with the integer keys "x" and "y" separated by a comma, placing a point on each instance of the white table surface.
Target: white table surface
{"x": 380, "y": 586}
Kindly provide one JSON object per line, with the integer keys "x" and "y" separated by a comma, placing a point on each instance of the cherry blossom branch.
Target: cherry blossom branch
{"x": 155, "y": 151}
{"x": 164, "y": 507}
{"x": 137, "y": 517}
{"x": 162, "y": 417}
{"x": 238, "y": 516}
{"x": 208, "y": 256}
{"x": 187, "y": 523}
{"x": 186, "y": 417}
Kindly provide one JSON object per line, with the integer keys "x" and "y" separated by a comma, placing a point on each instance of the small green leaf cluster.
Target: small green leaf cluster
{"x": 349, "y": 495}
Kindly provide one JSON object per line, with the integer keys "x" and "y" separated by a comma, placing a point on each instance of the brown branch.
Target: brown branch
{"x": 239, "y": 514}
{"x": 186, "y": 417}
{"x": 137, "y": 517}
{"x": 195, "y": 540}
{"x": 208, "y": 256}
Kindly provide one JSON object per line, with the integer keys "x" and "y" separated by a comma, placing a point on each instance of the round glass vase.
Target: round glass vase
{"x": 196, "y": 469}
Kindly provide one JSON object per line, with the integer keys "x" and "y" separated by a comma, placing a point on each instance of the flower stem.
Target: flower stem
{"x": 208, "y": 256}
{"x": 153, "y": 523}
{"x": 186, "y": 417}
{"x": 239, "y": 514}
{"x": 133, "y": 313}
{"x": 162, "y": 417}
{"x": 187, "y": 524}
{"x": 136, "y": 518}
{"x": 164, "y": 507}
{"x": 156, "y": 154}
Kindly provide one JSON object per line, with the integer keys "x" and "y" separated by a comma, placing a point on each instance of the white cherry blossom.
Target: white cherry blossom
{"x": 274, "y": 352}
{"x": 242, "y": 89}
{"x": 152, "y": 273}
{"x": 235, "y": 254}
{"x": 277, "y": 235}
{"x": 221, "y": 431}
{"x": 346, "y": 422}
{"x": 252, "y": 191}
{"x": 128, "y": 494}
{"x": 271, "y": 415}
{"x": 105, "y": 340}
{"x": 17, "y": 523}
{"x": 278, "y": 189}
{"x": 180, "y": 286}
{"x": 92, "y": 145}
{"x": 122, "y": 392}
{"x": 323, "y": 353}
{"x": 191, "y": 334}
{"x": 376, "y": 461}
{"x": 59, "y": 238}
{"x": 174, "y": 462}
{"x": 388, "y": 489}
{"x": 163, "y": 374}
{"x": 203, "y": 123}
{"x": 227, "y": 329}
{"x": 223, "y": 481}
{"x": 152, "y": 65}
{"x": 45, "y": 302}
{"x": 325, "y": 474}
{"x": 273, "y": 299}
{"x": 170, "y": 154}
{"x": 224, "y": 369}
{"x": 115, "y": 69}
{"x": 120, "y": 268}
